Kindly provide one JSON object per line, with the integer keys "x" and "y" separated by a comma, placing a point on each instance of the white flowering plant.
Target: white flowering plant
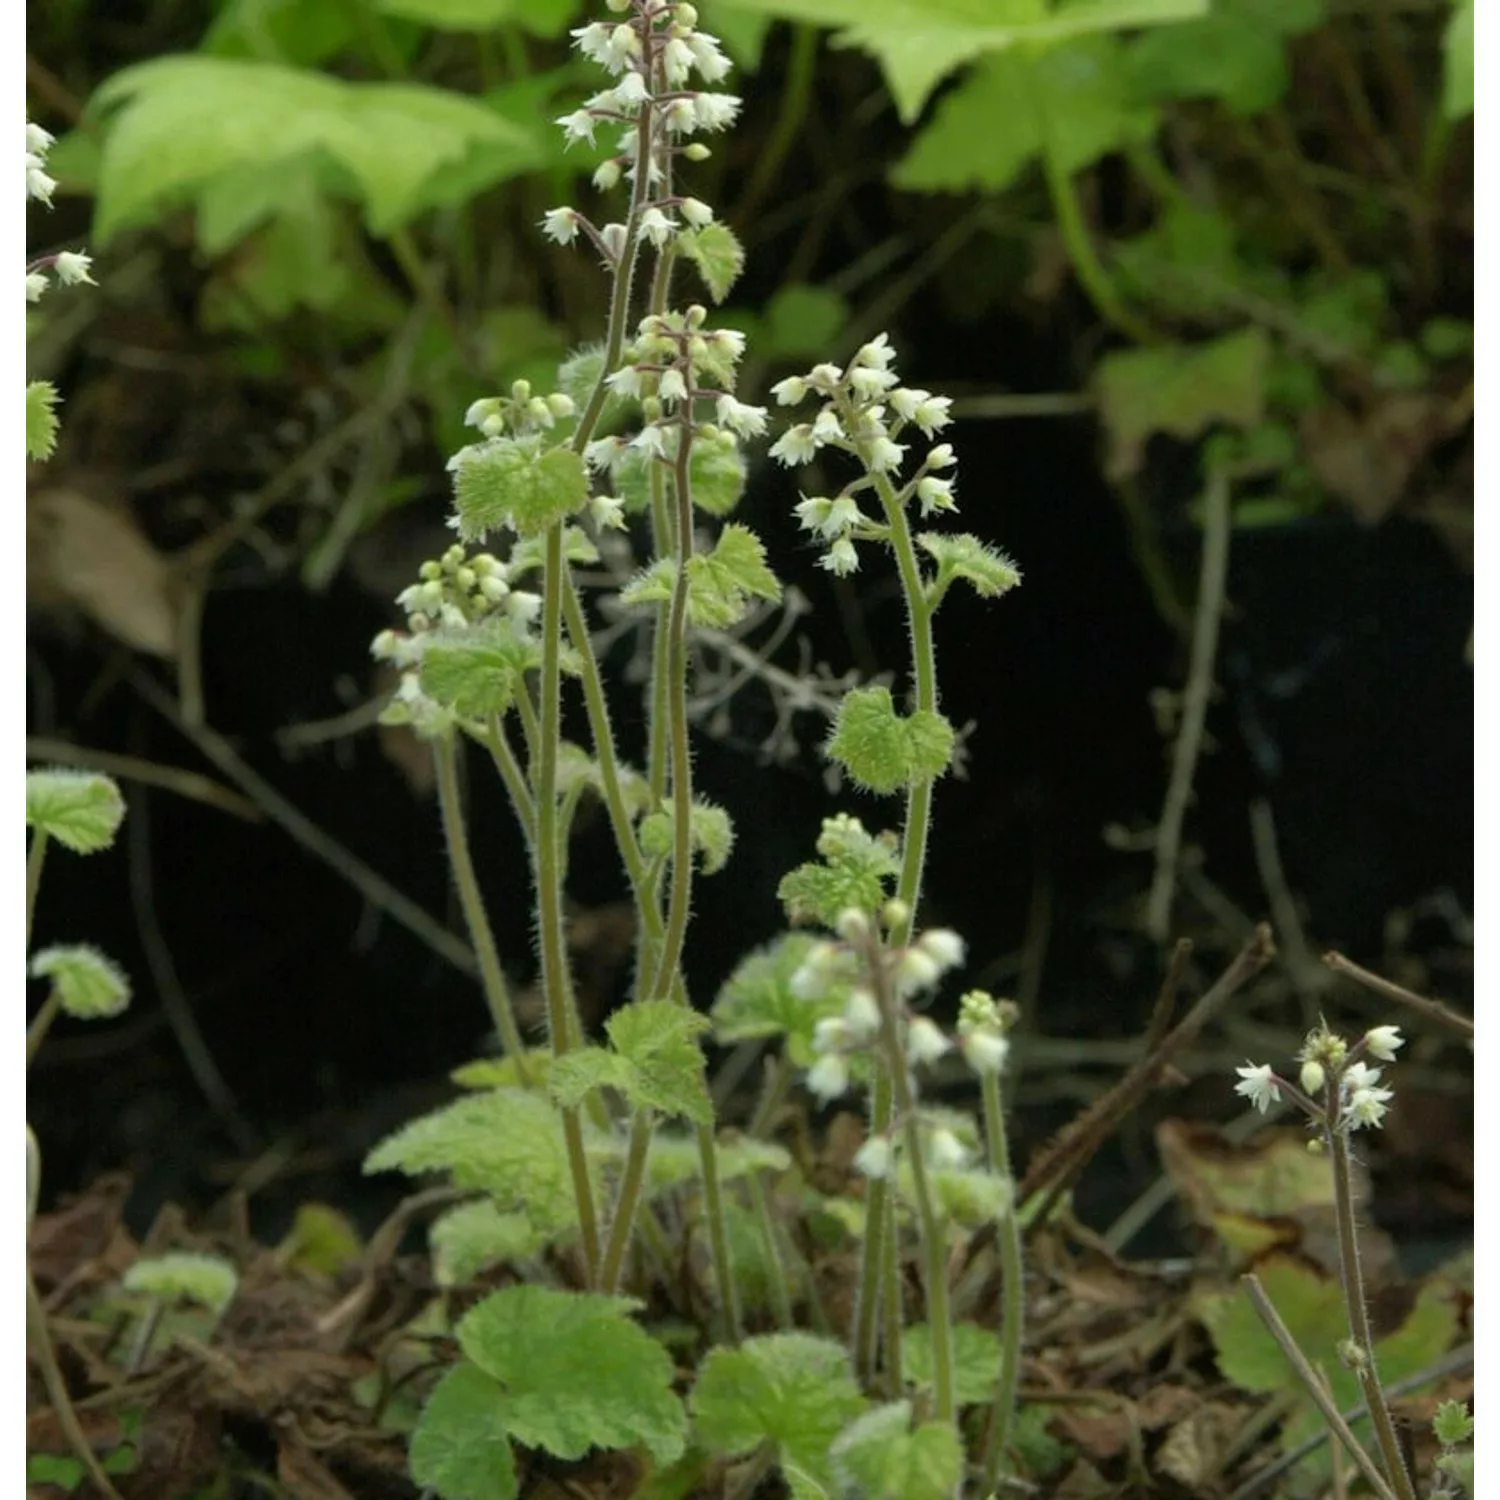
{"x": 645, "y": 444}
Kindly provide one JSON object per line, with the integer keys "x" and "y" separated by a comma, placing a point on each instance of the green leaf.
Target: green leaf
{"x": 475, "y": 1236}
{"x": 500, "y": 1072}
{"x": 677, "y": 1159}
{"x": 721, "y": 582}
{"x": 505, "y": 1142}
{"x": 1458, "y": 62}
{"x": 801, "y": 322}
{"x": 990, "y": 127}
{"x": 477, "y": 671}
{"x": 794, "y": 1390}
{"x": 577, "y": 1372}
{"x": 757, "y": 1001}
{"x": 90, "y": 986}
{"x": 710, "y": 830}
{"x": 518, "y": 483}
{"x": 879, "y": 1455}
{"x": 919, "y": 42}
{"x": 41, "y": 418}
{"x": 301, "y": 32}
{"x": 857, "y": 867}
{"x": 881, "y": 750}
{"x": 180, "y": 121}
{"x": 544, "y": 17}
{"x": 208, "y": 1280}
{"x": 656, "y": 1062}
{"x": 1180, "y": 390}
{"x": 82, "y": 810}
{"x": 716, "y": 473}
{"x": 1452, "y": 1423}
{"x": 960, "y": 555}
{"x": 461, "y": 1447}
{"x": 976, "y": 1361}
{"x": 528, "y": 556}
{"x": 717, "y": 253}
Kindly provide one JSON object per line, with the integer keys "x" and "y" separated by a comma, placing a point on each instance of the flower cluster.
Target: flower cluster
{"x": 983, "y": 1024}
{"x": 69, "y": 266}
{"x": 653, "y": 54}
{"x": 864, "y": 412}
{"x": 1336, "y": 1088}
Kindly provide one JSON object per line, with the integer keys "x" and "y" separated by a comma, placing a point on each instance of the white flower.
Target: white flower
{"x": 480, "y": 412}
{"x": 795, "y": 446}
{"x": 730, "y": 340}
{"x": 932, "y": 415}
{"x": 1312, "y": 1078}
{"x": 869, "y": 383}
{"x": 877, "y": 352}
{"x": 942, "y": 457}
{"x": 945, "y": 1151}
{"x": 825, "y": 378}
{"x": 828, "y": 1077}
{"x": 715, "y": 111}
{"x": 651, "y": 440}
{"x": 712, "y": 65}
{"x": 36, "y": 284}
{"x": 38, "y": 183}
{"x": 826, "y": 427}
{"x": 607, "y": 512}
{"x": 875, "y": 1158}
{"x": 916, "y": 971}
{"x": 852, "y": 925}
{"x": 630, "y": 92}
{"x": 885, "y": 455}
{"x": 561, "y": 225}
{"x": 747, "y": 421}
{"x": 840, "y": 559}
{"x": 677, "y": 61}
{"x": 790, "y": 391}
{"x": 604, "y": 453}
{"x": 1358, "y": 1076}
{"x": 607, "y": 175}
{"x": 1383, "y": 1041}
{"x": 672, "y": 386}
{"x": 861, "y": 1014}
{"x": 656, "y": 227}
{"x": 935, "y": 494}
{"x": 925, "y": 1041}
{"x": 985, "y": 1051}
{"x": 612, "y": 237}
{"x": 72, "y": 266}
{"x": 831, "y": 1034}
{"x": 38, "y": 141}
{"x": 680, "y": 118}
{"x": 944, "y": 946}
{"x": 696, "y": 212}
{"x": 1367, "y": 1107}
{"x": 1258, "y": 1085}
{"x": 578, "y": 126}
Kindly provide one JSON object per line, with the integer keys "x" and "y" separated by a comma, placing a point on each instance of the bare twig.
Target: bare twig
{"x": 1211, "y": 581}
{"x": 1434, "y": 1010}
{"x": 191, "y": 784}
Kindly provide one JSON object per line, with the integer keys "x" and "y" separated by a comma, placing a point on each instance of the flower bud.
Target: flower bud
{"x": 925, "y": 1042}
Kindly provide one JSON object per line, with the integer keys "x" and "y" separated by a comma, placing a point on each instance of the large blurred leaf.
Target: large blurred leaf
{"x": 180, "y": 121}
{"x": 919, "y": 42}
{"x": 1458, "y": 62}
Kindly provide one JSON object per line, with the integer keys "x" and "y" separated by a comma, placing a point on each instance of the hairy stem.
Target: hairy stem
{"x": 627, "y": 1199}
{"x": 872, "y": 1251}
{"x": 1013, "y": 1291}
{"x": 36, "y": 857}
{"x": 492, "y": 977}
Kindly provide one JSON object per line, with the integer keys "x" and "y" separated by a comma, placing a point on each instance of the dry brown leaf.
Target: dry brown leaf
{"x": 95, "y": 558}
{"x": 1192, "y": 1453}
{"x": 1367, "y": 461}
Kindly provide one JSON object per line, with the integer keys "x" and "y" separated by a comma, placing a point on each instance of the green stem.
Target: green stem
{"x": 513, "y": 777}
{"x": 531, "y": 728}
{"x": 625, "y": 1203}
{"x": 892, "y": 1303}
{"x": 1013, "y": 1309}
{"x": 1092, "y": 276}
{"x": 492, "y": 977}
{"x": 718, "y": 1233}
{"x": 872, "y": 1251}
{"x": 36, "y": 857}
{"x": 41, "y": 1023}
{"x": 781, "y": 1292}
{"x": 1359, "y": 1319}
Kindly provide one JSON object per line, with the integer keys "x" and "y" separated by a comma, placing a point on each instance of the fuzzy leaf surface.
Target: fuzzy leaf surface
{"x": 716, "y": 472}
{"x": 41, "y": 418}
{"x": 757, "y": 1000}
{"x": 477, "y": 671}
{"x": 461, "y": 1447}
{"x": 976, "y": 1361}
{"x": 855, "y": 870}
{"x": 82, "y": 810}
{"x": 208, "y": 1280}
{"x": 880, "y": 1456}
{"x": 474, "y": 1236}
{"x": 519, "y": 483}
{"x": 959, "y": 555}
{"x": 577, "y": 1372}
{"x": 883, "y": 751}
{"x": 711, "y": 832}
{"x": 718, "y": 255}
{"x": 90, "y": 986}
{"x": 655, "y": 1061}
{"x": 791, "y": 1389}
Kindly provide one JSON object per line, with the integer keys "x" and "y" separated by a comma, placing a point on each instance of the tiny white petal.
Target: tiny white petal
{"x": 925, "y": 1041}
{"x": 875, "y": 1158}
{"x": 1383, "y": 1041}
{"x": 828, "y": 1077}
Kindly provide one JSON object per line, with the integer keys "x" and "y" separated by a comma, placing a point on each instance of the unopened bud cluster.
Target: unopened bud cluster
{"x": 864, "y": 412}
{"x": 1336, "y": 1088}
{"x": 69, "y": 266}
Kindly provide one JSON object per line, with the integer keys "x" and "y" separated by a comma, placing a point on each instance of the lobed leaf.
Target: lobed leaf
{"x": 717, "y": 253}
{"x": 519, "y": 483}
{"x": 82, "y": 810}
{"x": 710, "y": 830}
{"x": 90, "y": 986}
{"x": 461, "y": 1445}
{"x": 960, "y": 555}
{"x": 883, "y": 1458}
{"x": 181, "y": 1275}
{"x": 477, "y": 671}
{"x": 881, "y": 750}
{"x": 41, "y": 418}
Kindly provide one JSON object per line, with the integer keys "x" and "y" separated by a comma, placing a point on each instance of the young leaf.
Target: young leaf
{"x": 716, "y": 471}
{"x": 529, "y": 553}
{"x": 475, "y": 1236}
{"x": 659, "y": 1039}
{"x": 41, "y": 418}
{"x": 460, "y": 1447}
{"x": 793, "y": 1390}
{"x": 181, "y": 121}
{"x": 757, "y": 999}
{"x": 879, "y": 1455}
{"x": 1458, "y": 62}
{"x": 856, "y": 870}
{"x": 576, "y": 1371}
{"x": 476, "y": 671}
{"x": 90, "y": 986}
{"x": 182, "y": 1276}
{"x": 82, "y": 810}
{"x": 577, "y": 1073}
{"x": 718, "y": 255}
{"x": 959, "y": 555}
{"x": 676, "y": 1159}
{"x": 506, "y": 1142}
{"x": 1180, "y": 390}
{"x": 518, "y": 483}
{"x": 884, "y": 752}
{"x": 976, "y": 1361}
{"x": 710, "y": 829}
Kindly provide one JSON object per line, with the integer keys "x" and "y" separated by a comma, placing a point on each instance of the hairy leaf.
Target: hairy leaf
{"x": 89, "y": 985}
{"x": 976, "y": 1360}
{"x": 718, "y": 255}
{"x": 881, "y": 750}
{"x": 960, "y": 555}
{"x": 519, "y": 483}
{"x": 82, "y": 810}
{"x": 208, "y": 1280}
{"x": 41, "y": 418}
{"x": 461, "y": 1447}
{"x": 475, "y": 1236}
{"x": 880, "y": 1455}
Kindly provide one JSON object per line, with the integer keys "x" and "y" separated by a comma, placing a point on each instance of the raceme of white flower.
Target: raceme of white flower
{"x": 71, "y": 267}
{"x": 1357, "y": 1102}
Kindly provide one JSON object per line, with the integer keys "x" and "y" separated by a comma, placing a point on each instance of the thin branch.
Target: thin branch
{"x": 1434, "y": 1010}
{"x": 190, "y": 784}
